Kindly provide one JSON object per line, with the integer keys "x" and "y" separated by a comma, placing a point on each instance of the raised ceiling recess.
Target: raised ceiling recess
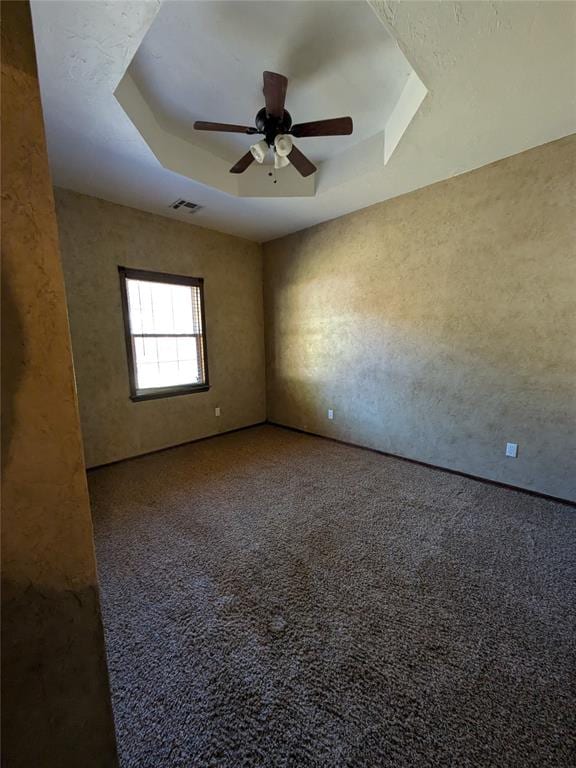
{"x": 204, "y": 61}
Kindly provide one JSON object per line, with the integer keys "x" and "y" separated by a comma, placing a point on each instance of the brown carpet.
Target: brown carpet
{"x": 274, "y": 599}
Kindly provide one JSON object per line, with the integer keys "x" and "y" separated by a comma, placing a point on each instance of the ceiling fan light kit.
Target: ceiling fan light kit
{"x": 274, "y": 122}
{"x": 259, "y": 151}
{"x": 283, "y": 145}
{"x": 280, "y": 161}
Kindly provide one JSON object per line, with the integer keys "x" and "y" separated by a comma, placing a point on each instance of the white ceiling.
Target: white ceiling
{"x": 339, "y": 58}
{"x": 501, "y": 78}
{"x": 177, "y": 76}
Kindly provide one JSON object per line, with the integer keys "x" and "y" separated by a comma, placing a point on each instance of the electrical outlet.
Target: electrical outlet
{"x": 512, "y": 450}
{"x": 217, "y": 411}
{"x": 330, "y": 414}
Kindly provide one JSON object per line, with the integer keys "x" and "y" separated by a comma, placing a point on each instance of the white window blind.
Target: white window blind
{"x": 166, "y": 336}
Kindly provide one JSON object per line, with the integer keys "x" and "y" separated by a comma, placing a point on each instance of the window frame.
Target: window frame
{"x": 136, "y": 395}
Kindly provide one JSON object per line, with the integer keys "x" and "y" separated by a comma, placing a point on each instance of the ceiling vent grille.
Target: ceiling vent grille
{"x": 190, "y": 207}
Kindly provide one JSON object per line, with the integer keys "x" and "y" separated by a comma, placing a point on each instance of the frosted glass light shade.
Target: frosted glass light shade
{"x": 259, "y": 151}
{"x": 280, "y": 161}
{"x": 283, "y": 145}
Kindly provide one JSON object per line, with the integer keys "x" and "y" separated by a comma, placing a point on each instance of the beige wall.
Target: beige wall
{"x": 439, "y": 325}
{"x": 96, "y": 237}
{"x": 55, "y": 700}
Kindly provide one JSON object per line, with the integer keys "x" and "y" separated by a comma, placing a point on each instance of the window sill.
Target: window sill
{"x": 156, "y": 394}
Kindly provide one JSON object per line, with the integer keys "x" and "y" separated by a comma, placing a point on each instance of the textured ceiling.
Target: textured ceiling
{"x": 342, "y": 61}
{"x": 501, "y": 78}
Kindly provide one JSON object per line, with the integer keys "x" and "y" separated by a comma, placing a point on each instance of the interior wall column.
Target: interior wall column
{"x": 56, "y": 708}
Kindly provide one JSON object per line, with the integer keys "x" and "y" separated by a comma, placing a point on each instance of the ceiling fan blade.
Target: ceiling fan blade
{"x": 243, "y": 163}
{"x": 337, "y": 126}
{"x": 201, "y": 125}
{"x": 301, "y": 162}
{"x": 275, "y": 86}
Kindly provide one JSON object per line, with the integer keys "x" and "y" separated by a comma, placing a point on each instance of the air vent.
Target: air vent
{"x": 190, "y": 207}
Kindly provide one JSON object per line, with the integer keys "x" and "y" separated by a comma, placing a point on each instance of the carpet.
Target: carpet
{"x": 275, "y": 599}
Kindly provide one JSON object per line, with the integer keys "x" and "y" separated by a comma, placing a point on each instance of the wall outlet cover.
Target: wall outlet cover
{"x": 512, "y": 450}
{"x": 217, "y": 411}
{"x": 330, "y": 413}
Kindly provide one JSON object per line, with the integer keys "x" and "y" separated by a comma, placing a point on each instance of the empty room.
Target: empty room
{"x": 288, "y": 384}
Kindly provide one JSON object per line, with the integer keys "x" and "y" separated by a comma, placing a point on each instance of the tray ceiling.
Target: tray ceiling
{"x": 500, "y": 79}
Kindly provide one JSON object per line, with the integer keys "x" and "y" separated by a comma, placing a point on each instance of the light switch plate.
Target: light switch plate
{"x": 217, "y": 411}
{"x": 512, "y": 450}
{"x": 330, "y": 413}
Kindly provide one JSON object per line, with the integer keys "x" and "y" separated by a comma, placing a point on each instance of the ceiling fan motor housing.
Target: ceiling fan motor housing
{"x": 275, "y": 124}
{"x": 271, "y": 126}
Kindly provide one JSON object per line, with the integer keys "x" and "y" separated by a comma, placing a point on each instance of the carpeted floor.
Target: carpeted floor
{"x": 274, "y": 599}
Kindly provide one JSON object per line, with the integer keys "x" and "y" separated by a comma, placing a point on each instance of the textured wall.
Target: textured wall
{"x": 95, "y": 238}
{"x": 440, "y": 324}
{"x": 55, "y": 699}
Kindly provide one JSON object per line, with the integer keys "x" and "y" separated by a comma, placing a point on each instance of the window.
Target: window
{"x": 165, "y": 340}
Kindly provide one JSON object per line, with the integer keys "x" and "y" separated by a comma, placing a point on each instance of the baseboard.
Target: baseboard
{"x": 478, "y": 478}
{"x": 176, "y": 445}
{"x": 468, "y": 475}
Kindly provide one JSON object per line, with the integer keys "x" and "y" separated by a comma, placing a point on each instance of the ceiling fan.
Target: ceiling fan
{"x": 275, "y": 124}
